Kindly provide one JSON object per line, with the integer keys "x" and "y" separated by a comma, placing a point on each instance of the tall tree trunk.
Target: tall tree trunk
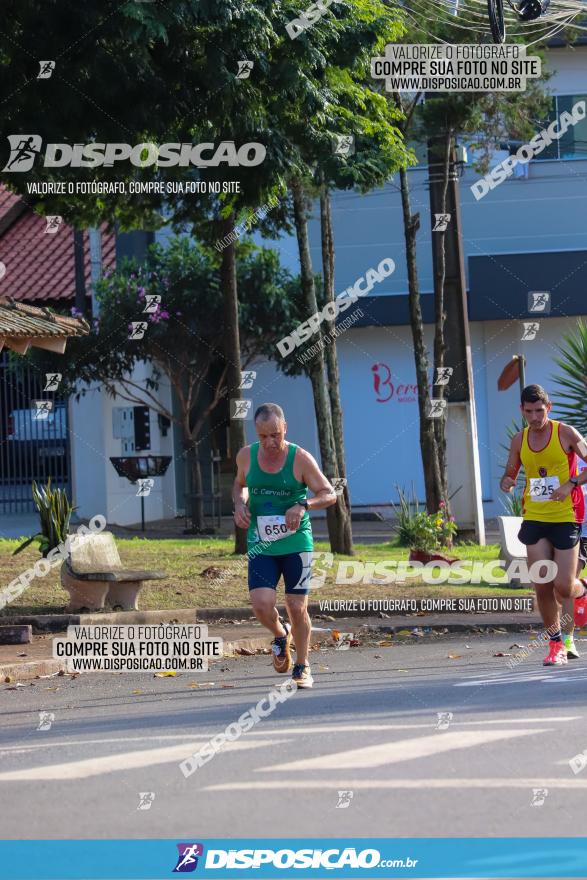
{"x": 197, "y": 487}
{"x": 430, "y": 462}
{"x": 343, "y": 505}
{"x": 232, "y": 354}
{"x": 440, "y": 316}
{"x": 315, "y": 366}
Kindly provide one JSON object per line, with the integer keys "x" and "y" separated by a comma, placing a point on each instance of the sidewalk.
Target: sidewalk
{"x": 365, "y": 531}
{"x": 25, "y": 662}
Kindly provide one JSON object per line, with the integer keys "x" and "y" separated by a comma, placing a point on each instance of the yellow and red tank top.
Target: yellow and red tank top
{"x": 545, "y": 471}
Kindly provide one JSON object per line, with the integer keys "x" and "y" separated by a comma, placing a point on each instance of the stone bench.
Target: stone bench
{"x": 94, "y": 577}
{"x": 512, "y": 549}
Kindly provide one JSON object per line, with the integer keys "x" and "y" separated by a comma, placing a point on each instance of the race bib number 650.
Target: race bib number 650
{"x": 273, "y": 528}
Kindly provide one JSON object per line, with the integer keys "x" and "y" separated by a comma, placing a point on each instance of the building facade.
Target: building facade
{"x": 527, "y": 234}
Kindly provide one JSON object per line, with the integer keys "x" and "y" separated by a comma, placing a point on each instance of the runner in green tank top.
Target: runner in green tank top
{"x": 270, "y": 496}
{"x": 270, "y": 501}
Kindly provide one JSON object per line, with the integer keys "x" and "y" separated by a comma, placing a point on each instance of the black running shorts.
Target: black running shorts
{"x": 562, "y": 536}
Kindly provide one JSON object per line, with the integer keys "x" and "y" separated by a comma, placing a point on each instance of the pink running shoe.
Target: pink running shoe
{"x": 557, "y": 655}
{"x": 581, "y": 608}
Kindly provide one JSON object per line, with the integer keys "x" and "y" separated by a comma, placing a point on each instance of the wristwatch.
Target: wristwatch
{"x": 303, "y": 503}
{"x": 574, "y": 481}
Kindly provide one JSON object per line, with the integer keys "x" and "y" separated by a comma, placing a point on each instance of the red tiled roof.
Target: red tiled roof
{"x": 20, "y": 319}
{"x": 40, "y": 266}
{"x": 7, "y": 199}
{"x": 22, "y": 325}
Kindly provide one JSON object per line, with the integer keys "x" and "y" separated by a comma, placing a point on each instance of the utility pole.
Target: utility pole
{"x": 461, "y": 424}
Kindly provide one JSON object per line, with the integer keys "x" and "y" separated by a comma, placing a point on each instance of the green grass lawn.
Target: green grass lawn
{"x": 186, "y": 559}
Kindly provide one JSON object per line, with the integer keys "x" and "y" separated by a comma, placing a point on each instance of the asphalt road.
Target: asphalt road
{"x": 499, "y": 766}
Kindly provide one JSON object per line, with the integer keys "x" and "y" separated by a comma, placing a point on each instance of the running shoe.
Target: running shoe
{"x": 581, "y": 608}
{"x": 281, "y": 650}
{"x": 302, "y": 675}
{"x": 557, "y": 655}
{"x": 570, "y": 648}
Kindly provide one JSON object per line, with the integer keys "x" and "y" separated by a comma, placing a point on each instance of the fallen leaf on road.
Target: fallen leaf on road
{"x": 13, "y": 687}
{"x": 377, "y": 657}
{"x": 136, "y": 692}
{"x": 7, "y": 679}
{"x": 502, "y": 654}
{"x": 384, "y": 644}
{"x": 404, "y": 632}
{"x": 22, "y": 654}
{"x": 226, "y": 685}
{"x": 167, "y": 674}
{"x": 323, "y": 668}
{"x": 245, "y": 652}
{"x": 515, "y": 645}
{"x": 496, "y": 630}
{"x": 61, "y": 672}
{"x": 50, "y": 675}
{"x": 52, "y": 688}
{"x": 454, "y": 656}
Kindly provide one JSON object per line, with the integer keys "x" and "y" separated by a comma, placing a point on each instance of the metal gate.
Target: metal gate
{"x": 34, "y": 435}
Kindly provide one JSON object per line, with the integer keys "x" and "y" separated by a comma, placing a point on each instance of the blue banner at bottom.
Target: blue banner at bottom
{"x": 518, "y": 857}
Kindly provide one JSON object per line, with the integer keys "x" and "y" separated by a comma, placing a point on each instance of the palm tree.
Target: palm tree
{"x": 570, "y": 395}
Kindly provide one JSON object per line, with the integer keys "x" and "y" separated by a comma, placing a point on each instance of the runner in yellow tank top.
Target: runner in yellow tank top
{"x": 553, "y": 511}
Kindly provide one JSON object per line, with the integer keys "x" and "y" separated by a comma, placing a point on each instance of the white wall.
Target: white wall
{"x": 96, "y": 486}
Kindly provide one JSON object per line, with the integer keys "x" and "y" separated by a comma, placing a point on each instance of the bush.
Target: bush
{"x": 406, "y": 513}
{"x": 513, "y": 504}
{"x": 420, "y": 530}
{"x": 55, "y": 511}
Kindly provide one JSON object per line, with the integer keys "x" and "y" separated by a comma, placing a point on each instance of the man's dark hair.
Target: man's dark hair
{"x": 266, "y": 410}
{"x": 534, "y": 393}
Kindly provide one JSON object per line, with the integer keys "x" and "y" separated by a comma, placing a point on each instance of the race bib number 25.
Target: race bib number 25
{"x": 273, "y": 528}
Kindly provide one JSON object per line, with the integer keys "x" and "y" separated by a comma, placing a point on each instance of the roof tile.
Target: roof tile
{"x": 40, "y": 266}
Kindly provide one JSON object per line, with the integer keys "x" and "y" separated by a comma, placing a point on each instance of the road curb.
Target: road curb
{"x": 32, "y": 669}
{"x": 250, "y": 645}
{"x": 45, "y": 623}
{"x": 23, "y": 671}
{"x": 59, "y": 622}
{"x": 244, "y": 646}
